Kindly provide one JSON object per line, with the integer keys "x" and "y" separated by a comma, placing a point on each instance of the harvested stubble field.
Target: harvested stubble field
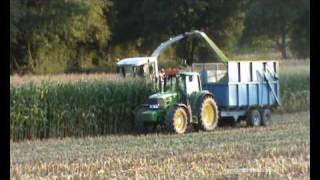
{"x": 280, "y": 151}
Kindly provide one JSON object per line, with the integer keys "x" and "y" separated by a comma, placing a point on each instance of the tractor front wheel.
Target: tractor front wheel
{"x": 208, "y": 114}
{"x": 177, "y": 120}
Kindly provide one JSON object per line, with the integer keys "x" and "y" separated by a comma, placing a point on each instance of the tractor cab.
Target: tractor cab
{"x": 144, "y": 67}
{"x": 176, "y": 90}
{"x": 185, "y": 83}
{"x": 191, "y": 82}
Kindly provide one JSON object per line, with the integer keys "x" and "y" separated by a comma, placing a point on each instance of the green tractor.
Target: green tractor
{"x": 181, "y": 104}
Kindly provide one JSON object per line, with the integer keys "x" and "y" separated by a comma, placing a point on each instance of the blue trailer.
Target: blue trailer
{"x": 242, "y": 89}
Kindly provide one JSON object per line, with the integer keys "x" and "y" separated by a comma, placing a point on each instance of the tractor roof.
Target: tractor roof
{"x": 135, "y": 61}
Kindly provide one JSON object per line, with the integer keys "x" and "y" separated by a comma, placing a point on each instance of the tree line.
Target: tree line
{"x": 55, "y": 36}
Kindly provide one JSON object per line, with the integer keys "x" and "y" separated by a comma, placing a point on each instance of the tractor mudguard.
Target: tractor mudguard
{"x": 204, "y": 93}
{"x": 198, "y": 99}
{"x": 189, "y": 111}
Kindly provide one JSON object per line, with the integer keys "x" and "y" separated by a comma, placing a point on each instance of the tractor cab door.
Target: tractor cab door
{"x": 181, "y": 87}
{"x": 192, "y": 84}
{"x": 182, "y": 84}
{"x": 187, "y": 85}
{"x": 146, "y": 70}
{"x": 149, "y": 70}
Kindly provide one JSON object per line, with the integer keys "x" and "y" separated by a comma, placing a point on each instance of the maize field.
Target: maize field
{"x": 79, "y": 108}
{"x": 91, "y": 105}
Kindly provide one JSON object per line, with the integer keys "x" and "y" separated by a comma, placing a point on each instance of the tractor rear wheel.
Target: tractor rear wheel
{"x": 177, "y": 120}
{"x": 265, "y": 117}
{"x": 208, "y": 114}
{"x": 253, "y": 118}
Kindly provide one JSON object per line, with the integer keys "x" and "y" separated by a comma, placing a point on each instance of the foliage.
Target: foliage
{"x": 74, "y": 108}
{"x": 276, "y": 20}
{"x": 294, "y": 92}
{"x": 50, "y": 36}
{"x": 56, "y": 36}
{"x": 300, "y": 38}
{"x": 152, "y": 22}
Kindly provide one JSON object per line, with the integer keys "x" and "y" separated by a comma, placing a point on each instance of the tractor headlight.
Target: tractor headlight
{"x": 156, "y": 103}
{"x": 154, "y": 106}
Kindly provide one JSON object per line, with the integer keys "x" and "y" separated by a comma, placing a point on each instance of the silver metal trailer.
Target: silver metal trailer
{"x": 242, "y": 89}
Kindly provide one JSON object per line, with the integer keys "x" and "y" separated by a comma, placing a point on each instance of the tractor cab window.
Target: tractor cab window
{"x": 133, "y": 71}
{"x": 150, "y": 69}
{"x": 141, "y": 71}
{"x": 182, "y": 84}
{"x": 192, "y": 84}
{"x": 129, "y": 71}
{"x": 145, "y": 70}
{"x": 170, "y": 83}
{"x": 120, "y": 71}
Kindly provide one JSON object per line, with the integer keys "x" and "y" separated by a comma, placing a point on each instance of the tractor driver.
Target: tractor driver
{"x": 162, "y": 76}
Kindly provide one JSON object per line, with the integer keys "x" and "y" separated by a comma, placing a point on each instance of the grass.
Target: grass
{"x": 294, "y": 85}
{"x": 280, "y": 151}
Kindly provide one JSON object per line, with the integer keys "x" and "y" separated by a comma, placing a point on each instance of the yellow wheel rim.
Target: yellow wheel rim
{"x": 180, "y": 122}
{"x": 208, "y": 114}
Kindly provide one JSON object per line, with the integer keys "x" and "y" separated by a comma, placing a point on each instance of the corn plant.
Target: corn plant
{"x": 79, "y": 108}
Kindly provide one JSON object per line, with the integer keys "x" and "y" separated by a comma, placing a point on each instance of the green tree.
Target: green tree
{"x": 221, "y": 20}
{"x": 300, "y": 34}
{"x": 147, "y": 23}
{"x": 272, "y": 19}
{"x": 53, "y": 35}
{"x": 14, "y": 17}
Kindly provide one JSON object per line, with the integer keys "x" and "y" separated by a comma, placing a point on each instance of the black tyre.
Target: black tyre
{"x": 139, "y": 127}
{"x": 265, "y": 117}
{"x": 208, "y": 114}
{"x": 177, "y": 120}
{"x": 253, "y": 118}
{"x": 227, "y": 121}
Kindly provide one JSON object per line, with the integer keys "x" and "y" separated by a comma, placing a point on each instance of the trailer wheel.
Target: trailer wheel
{"x": 139, "y": 127}
{"x": 227, "y": 121}
{"x": 253, "y": 118}
{"x": 208, "y": 114}
{"x": 177, "y": 120}
{"x": 265, "y": 117}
